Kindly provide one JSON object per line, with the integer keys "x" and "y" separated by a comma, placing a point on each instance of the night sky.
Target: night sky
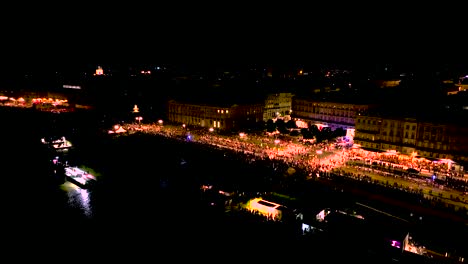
{"x": 233, "y": 33}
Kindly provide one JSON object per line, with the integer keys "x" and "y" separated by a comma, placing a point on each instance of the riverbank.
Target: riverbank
{"x": 139, "y": 154}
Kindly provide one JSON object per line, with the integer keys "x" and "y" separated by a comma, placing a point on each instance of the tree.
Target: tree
{"x": 260, "y": 125}
{"x": 314, "y": 130}
{"x": 270, "y": 126}
{"x": 281, "y": 125}
{"x": 306, "y": 134}
{"x": 291, "y": 124}
{"x": 339, "y": 132}
{"x": 294, "y": 133}
{"x": 326, "y": 133}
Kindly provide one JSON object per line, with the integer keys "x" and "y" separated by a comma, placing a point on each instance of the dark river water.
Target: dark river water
{"x": 146, "y": 199}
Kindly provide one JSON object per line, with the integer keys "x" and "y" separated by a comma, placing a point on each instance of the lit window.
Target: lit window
{"x": 222, "y": 111}
{"x": 218, "y": 110}
{"x": 227, "y": 111}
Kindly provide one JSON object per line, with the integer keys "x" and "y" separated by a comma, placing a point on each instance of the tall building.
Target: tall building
{"x": 216, "y": 115}
{"x": 333, "y": 114}
{"x": 277, "y": 105}
{"x": 386, "y": 133}
{"x": 430, "y": 139}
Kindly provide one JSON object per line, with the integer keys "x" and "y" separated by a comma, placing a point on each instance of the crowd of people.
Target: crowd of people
{"x": 288, "y": 165}
{"x": 317, "y": 159}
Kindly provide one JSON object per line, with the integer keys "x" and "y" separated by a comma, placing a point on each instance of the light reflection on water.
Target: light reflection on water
{"x": 78, "y": 198}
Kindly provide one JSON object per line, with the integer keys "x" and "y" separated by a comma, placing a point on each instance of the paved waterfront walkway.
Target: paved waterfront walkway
{"x": 317, "y": 157}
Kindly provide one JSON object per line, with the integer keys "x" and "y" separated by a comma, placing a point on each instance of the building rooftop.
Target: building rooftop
{"x": 337, "y": 98}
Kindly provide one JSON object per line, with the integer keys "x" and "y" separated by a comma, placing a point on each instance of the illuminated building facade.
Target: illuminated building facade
{"x": 433, "y": 140}
{"x": 40, "y": 100}
{"x": 332, "y": 114}
{"x": 388, "y": 133}
{"x": 99, "y": 71}
{"x": 266, "y": 208}
{"x": 463, "y": 84}
{"x": 215, "y": 116}
{"x": 387, "y": 83}
{"x": 278, "y": 104}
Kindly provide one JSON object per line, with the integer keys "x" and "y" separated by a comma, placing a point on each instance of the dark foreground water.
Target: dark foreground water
{"x": 146, "y": 203}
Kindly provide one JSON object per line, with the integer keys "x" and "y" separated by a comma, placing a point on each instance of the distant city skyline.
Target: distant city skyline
{"x": 72, "y": 66}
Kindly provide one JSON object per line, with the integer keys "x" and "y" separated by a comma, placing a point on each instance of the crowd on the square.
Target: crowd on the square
{"x": 326, "y": 160}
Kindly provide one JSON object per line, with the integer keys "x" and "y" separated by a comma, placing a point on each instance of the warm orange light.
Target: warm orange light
{"x": 266, "y": 208}
{"x": 99, "y": 71}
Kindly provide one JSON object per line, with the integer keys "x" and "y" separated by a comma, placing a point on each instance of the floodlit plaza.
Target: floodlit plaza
{"x": 389, "y": 168}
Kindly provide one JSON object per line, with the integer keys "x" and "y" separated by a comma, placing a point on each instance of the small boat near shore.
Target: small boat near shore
{"x": 79, "y": 177}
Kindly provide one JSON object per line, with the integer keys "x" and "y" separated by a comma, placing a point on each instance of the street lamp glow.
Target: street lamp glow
{"x": 241, "y": 134}
{"x": 139, "y": 118}
{"x": 160, "y": 121}
{"x": 211, "y": 129}
{"x": 183, "y": 125}
{"x": 277, "y": 141}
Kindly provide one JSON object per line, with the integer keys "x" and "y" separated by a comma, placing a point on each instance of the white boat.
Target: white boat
{"x": 79, "y": 177}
